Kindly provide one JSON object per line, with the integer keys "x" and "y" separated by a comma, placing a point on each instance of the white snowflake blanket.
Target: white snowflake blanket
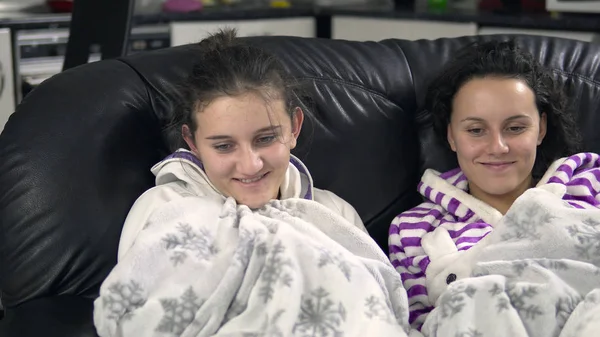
{"x": 535, "y": 275}
{"x": 292, "y": 268}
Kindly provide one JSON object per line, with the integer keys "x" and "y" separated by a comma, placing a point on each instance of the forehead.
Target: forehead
{"x": 249, "y": 110}
{"x": 494, "y": 99}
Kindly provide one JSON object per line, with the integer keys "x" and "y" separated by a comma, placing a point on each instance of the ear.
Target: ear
{"x": 297, "y": 120}
{"x": 543, "y": 128}
{"x": 189, "y": 139}
{"x": 450, "y": 137}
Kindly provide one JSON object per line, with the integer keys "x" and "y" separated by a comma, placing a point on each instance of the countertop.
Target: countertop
{"x": 39, "y": 18}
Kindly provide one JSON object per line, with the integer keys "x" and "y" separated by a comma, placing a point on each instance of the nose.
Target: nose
{"x": 250, "y": 162}
{"x": 497, "y": 144}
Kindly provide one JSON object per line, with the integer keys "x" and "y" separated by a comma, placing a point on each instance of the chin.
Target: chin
{"x": 499, "y": 190}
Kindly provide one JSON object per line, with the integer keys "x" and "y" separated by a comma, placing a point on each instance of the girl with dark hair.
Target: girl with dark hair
{"x": 506, "y": 120}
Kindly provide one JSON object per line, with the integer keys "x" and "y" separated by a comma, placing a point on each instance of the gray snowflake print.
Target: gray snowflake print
{"x": 519, "y": 296}
{"x": 271, "y": 224}
{"x": 469, "y": 333}
{"x": 186, "y": 241}
{"x": 276, "y": 270}
{"x": 179, "y": 313}
{"x": 564, "y": 308}
{"x": 526, "y": 223}
{"x": 553, "y": 264}
{"x": 337, "y": 259}
{"x": 122, "y": 299}
{"x": 269, "y": 327}
{"x": 453, "y": 301}
{"x": 591, "y": 222}
{"x": 520, "y": 266}
{"x": 502, "y": 301}
{"x": 587, "y": 243}
{"x": 250, "y": 242}
{"x": 400, "y": 312}
{"x": 320, "y": 316}
{"x": 376, "y": 308}
{"x": 229, "y": 210}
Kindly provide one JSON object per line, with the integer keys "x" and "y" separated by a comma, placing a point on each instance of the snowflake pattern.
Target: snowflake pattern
{"x": 524, "y": 223}
{"x": 452, "y": 301}
{"x": 518, "y": 297}
{"x": 328, "y": 257}
{"x": 179, "y": 313}
{"x": 249, "y": 243}
{"x": 376, "y": 308}
{"x": 520, "y": 265}
{"x": 271, "y": 224}
{"x": 591, "y": 222}
{"x": 320, "y": 316}
{"x": 200, "y": 244}
{"x": 554, "y": 264}
{"x": 229, "y": 210}
{"x": 122, "y": 299}
{"x": 502, "y": 301}
{"x": 564, "y": 308}
{"x": 588, "y": 242}
{"x": 276, "y": 270}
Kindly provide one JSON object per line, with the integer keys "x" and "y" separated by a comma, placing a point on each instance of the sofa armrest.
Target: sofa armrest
{"x": 61, "y": 316}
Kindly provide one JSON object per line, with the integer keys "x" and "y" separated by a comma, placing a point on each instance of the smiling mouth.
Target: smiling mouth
{"x": 499, "y": 164}
{"x": 252, "y": 180}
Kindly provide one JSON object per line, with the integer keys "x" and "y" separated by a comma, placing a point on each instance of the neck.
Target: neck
{"x": 501, "y": 202}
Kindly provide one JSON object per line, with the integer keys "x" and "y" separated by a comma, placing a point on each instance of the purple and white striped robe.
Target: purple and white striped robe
{"x": 468, "y": 219}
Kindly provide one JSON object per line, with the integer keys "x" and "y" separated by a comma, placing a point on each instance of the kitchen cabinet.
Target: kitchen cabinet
{"x": 376, "y": 29}
{"x": 7, "y": 88}
{"x": 192, "y": 32}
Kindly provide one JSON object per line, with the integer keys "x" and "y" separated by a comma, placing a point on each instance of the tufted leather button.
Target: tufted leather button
{"x": 451, "y": 278}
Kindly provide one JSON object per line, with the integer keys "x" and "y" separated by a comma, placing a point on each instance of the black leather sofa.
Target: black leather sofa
{"x": 77, "y": 152}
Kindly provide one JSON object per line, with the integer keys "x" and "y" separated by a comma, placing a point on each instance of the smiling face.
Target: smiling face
{"x": 495, "y": 129}
{"x": 244, "y": 143}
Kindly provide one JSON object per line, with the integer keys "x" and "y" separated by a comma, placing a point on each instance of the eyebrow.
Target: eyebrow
{"x": 511, "y": 118}
{"x": 265, "y": 129}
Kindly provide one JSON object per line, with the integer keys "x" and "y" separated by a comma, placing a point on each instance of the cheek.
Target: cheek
{"x": 277, "y": 156}
{"x": 468, "y": 148}
{"x": 217, "y": 166}
{"x": 526, "y": 149}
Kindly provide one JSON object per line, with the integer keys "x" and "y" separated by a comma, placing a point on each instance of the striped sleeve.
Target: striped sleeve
{"x": 580, "y": 173}
{"x": 408, "y": 257}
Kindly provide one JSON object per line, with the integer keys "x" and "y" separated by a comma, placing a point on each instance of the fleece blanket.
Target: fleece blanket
{"x": 292, "y": 268}
{"x": 535, "y": 275}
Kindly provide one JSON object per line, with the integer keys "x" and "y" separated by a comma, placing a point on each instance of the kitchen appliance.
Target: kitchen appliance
{"x": 40, "y": 53}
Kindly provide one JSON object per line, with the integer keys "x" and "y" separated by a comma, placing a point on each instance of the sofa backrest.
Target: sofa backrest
{"x": 76, "y": 154}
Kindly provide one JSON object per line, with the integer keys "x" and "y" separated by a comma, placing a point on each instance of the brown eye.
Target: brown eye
{"x": 516, "y": 129}
{"x": 475, "y": 131}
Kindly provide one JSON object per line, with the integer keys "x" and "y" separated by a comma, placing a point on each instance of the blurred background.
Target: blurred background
{"x": 40, "y": 38}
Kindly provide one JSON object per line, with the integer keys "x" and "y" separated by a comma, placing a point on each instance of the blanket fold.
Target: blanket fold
{"x": 292, "y": 268}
